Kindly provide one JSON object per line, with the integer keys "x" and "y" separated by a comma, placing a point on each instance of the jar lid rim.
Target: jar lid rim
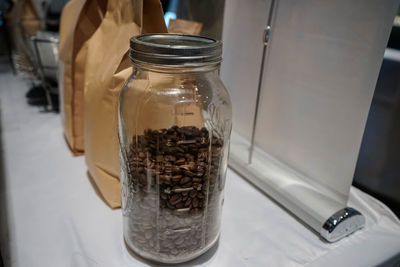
{"x": 175, "y": 49}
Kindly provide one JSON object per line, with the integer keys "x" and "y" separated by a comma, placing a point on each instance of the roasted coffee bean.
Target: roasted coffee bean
{"x": 175, "y": 169}
{"x": 179, "y": 205}
{"x": 175, "y": 199}
{"x": 192, "y": 166}
{"x": 188, "y": 202}
{"x": 193, "y": 194}
{"x": 195, "y": 202}
{"x": 176, "y": 178}
{"x": 184, "y": 167}
{"x": 170, "y": 205}
{"x": 187, "y": 185}
{"x": 196, "y": 180}
{"x": 189, "y": 157}
{"x": 179, "y": 149}
{"x": 180, "y": 161}
{"x": 188, "y": 173}
{"x": 170, "y": 172}
{"x": 185, "y": 180}
{"x": 168, "y": 165}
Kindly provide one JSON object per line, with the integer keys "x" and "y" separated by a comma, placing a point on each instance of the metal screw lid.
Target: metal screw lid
{"x": 175, "y": 50}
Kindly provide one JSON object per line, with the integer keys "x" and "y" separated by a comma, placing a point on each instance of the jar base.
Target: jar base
{"x": 150, "y": 257}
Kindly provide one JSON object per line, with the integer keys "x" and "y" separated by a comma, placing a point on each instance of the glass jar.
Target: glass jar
{"x": 174, "y": 129}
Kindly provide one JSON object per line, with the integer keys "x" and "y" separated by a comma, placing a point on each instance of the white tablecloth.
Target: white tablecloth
{"x": 55, "y": 218}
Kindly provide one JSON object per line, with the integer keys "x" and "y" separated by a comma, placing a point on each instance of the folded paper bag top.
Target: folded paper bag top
{"x": 107, "y": 68}
{"x": 69, "y": 19}
{"x": 89, "y": 20}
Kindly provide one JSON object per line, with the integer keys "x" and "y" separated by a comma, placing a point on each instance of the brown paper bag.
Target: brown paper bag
{"x": 184, "y": 26}
{"x": 69, "y": 18}
{"x": 107, "y": 68}
{"x": 24, "y": 13}
{"x": 29, "y": 18}
{"x": 89, "y": 19}
{"x": 23, "y": 22}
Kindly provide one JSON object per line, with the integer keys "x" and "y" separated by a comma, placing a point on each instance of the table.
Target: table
{"x": 52, "y": 216}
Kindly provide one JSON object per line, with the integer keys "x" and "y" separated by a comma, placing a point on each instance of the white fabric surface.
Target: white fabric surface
{"x": 55, "y": 217}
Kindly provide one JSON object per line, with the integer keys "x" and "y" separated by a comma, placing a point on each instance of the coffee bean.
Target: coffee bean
{"x": 195, "y": 202}
{"x": 176, "y": 178}
{"x": 180, "y": 161}
{"x": 188, "y": 173}
{"x": 165, "y": 179}
{"x": 186, "y": 167}
{"x": 192, "y": 166}
{"x": 171, "y": 206}
{"x": 189, "y": 157}
{"x": 196, "y": 180}
{"x": 185, "y": 180}
{"x": 193, "y": 194}
{"x": 179, "y": 205}
{"x": 188, "y": 202}
{"x": 168, "y": 165}
{"x": 187, "y": 185}
{"x": 175, "y": 199}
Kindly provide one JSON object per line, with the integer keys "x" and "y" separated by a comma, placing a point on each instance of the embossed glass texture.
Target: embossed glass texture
{"x": 174, "y": 129}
